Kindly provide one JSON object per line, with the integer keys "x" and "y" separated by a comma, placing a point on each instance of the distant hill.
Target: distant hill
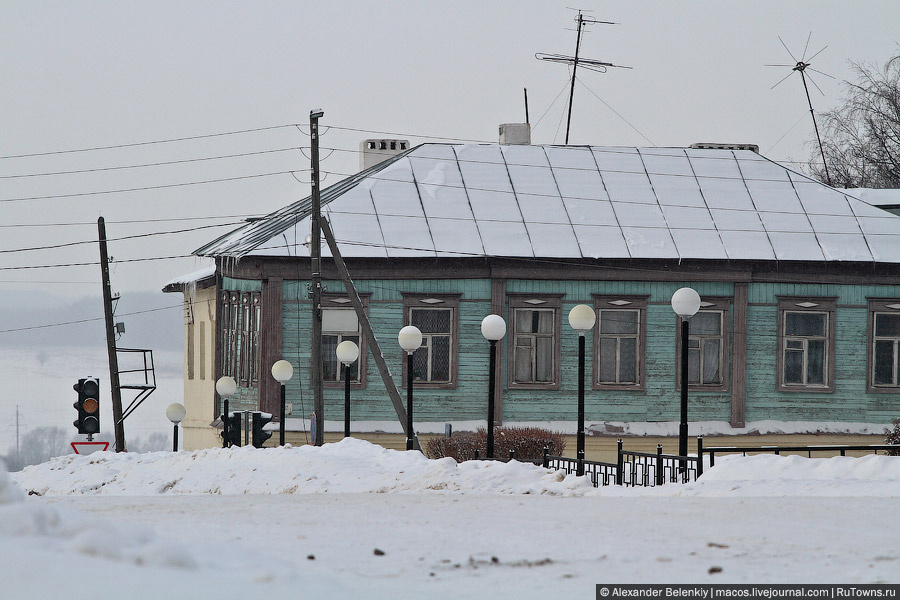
{"x": 146, "y": 326}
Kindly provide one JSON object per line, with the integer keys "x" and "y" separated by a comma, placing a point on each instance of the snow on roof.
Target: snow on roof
{"x": 580, "y": 202}
{"x": 196, "y": 276}
{"x": 876, "y": 197}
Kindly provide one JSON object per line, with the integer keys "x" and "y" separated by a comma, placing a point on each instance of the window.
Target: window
{"x": 436, "y": 316}
{"x": 340, "y": 323}
{"x": 884, "y": 346}
{"x": 705, "y": 349}
{"x": 240, "y": 352}
{"x": 708, "y": 345}
{"x": 806, "y": 344}
{"x": 619, "y": 342}
{"x": 534, "y": 347}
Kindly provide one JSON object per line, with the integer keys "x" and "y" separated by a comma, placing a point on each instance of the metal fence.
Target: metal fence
{"x": 631, "y": 468}
{"x": 655, "y": 468}
{"x": 842, "y": 450}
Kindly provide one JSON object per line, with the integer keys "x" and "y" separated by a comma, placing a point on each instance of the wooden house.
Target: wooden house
{"x": 800, "y": 288}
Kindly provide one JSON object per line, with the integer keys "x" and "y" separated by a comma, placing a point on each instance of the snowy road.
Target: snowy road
{"x": 754, "y": 520}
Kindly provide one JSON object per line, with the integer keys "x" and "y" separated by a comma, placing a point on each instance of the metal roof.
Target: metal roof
{"x": 580, "y": 202}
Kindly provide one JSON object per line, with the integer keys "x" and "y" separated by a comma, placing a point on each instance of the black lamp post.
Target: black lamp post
{"x": 175, "y": 413}
{"x": 685, "y": 303}
{"x": 410, "y": 339}
{"x": 493, "y": 328}
{"x": 582, "y": 319}
{"x": 282, "y": 371}
{"x": 347, "y": 352}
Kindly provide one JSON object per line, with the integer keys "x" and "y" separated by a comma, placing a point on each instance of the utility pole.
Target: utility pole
{"x": 116, "y": 391}
{"x": 315, "y": 252}
{"x": 587, "y": 63}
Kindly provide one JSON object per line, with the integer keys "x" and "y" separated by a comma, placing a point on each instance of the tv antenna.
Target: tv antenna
{"x": 587, "y": 63}
{"x": 801, "y": 66}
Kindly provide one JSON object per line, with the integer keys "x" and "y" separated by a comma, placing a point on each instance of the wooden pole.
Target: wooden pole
{"x": 115, "y": 389}
{"x": 315, "y": 249}
{"x": 366, "y": 327}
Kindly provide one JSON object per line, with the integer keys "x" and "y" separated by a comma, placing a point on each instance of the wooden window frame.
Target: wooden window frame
{"x": 435, "y": 301}
{"x": 721, "y": 304}
{"x": 341, "y": 301}
{"x": 240, "y": 334}
{"x": 534, "y": 302}
{"x": 622, "y": 303}
{"x": 812, "y": 304}
{"x": 882, "y": 306}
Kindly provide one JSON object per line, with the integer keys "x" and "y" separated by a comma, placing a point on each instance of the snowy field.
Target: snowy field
{"x": 353, "y": 520}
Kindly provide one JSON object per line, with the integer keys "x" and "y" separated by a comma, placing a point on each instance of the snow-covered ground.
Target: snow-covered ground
{"x": 353, "y": 520}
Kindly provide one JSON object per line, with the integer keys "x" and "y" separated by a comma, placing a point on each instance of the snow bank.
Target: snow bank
{"x": 357, "y": 466}
{"x": 62, "y": 530}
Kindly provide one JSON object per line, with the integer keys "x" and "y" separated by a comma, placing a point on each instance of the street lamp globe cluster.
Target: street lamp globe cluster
{"x": 282, "y": 371}
{"x": 581, "y": 318}
{"x": 410, "y": 339}
{"x": 347, "y": 352}
{"x": 685, "y": 303}
{"x": 493, "y": 328}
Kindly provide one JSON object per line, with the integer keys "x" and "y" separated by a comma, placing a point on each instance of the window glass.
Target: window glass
{"x": 885, "y": 362}
{"x": 628, "y": 360}
{"x": 804, "y": 323}
{"x": 815, "y": 367}
{"x": 793, "y": 366}
{"x": 608, "y": 349}
{"x": 887, "y": 325}
{"x": 619, "y": 321}
{"x": 706, "y": 323}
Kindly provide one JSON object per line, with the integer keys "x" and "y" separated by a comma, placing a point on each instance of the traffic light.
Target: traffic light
{"x": 88, "y": 405}
{"x": 231, "y": 429}
{"x": 259, "y": 421}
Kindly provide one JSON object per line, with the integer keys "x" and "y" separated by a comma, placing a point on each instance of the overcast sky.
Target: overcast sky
{"x": 81, "y": 75}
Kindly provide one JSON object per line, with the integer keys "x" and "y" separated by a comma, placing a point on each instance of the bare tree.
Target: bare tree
{"x": 37, "y": 446}
{"x": 861, "y": 138}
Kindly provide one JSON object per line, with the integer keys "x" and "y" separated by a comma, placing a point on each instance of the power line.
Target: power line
{"x": 152, "y": 187}
{"x": 140, "y": 312}
{"x": 133, "y": 144}
{"x": 127, "y": 237}
{"x": 130, "y": 221}
{"x": 156, "y": 164}
{"x": 90, "y": 264}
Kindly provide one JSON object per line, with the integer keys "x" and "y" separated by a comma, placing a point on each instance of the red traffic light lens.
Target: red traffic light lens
{"x": 90, "y": 405}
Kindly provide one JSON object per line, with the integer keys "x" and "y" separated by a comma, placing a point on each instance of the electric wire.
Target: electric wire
{"x": 147, "y": 143}
{"x": 606, "y": 104}
{"x": 90, "y": 320}
{"x": 151, "y": 187}
{"x": 126, "y": 237}
{"x": 155, "y": 164}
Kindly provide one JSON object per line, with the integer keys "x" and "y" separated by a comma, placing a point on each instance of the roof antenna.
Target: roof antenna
{"x": 801, "y": 66}
{"x": 587, "y": 63}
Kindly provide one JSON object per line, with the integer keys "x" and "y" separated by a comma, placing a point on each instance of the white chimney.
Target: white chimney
{"x": 515, "y": 133}
{"x": 372, "y": 152}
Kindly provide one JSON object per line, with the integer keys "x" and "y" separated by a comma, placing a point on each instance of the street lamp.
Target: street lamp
{"x": 175, "y": 412}
{"x": 410, "y": 339}
{"x": 226, "y": 387}
{"x": 347, "y": 353}
{"x": 582, "y": 319}
{"x": 493, "y": 328}
{"x": 685, "y": 303}
{"x": 282, "y": 371}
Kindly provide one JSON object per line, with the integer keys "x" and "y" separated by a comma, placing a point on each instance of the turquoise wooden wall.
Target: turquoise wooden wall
{"x": 660, "y": 399}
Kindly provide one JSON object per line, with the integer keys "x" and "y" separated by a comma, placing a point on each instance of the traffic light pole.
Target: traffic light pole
{"x": 116, "y": 391}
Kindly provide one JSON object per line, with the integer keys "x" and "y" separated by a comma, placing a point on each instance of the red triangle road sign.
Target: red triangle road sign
{"x": 89, "y": 447}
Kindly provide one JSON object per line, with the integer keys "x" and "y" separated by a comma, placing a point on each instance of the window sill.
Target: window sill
{"x": 815, "y": 389}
